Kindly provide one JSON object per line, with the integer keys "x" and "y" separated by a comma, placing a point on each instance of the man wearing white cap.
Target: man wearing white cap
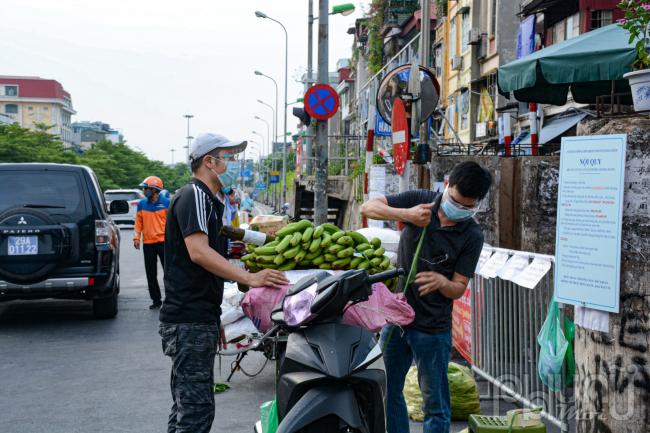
{"x": 195, "y": 270}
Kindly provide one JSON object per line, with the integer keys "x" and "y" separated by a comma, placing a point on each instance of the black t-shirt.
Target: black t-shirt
{"x": 445, "y": 250}
{"x": 192, "y": 294}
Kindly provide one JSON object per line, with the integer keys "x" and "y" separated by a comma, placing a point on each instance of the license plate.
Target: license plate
{"x": 22, "y": 245}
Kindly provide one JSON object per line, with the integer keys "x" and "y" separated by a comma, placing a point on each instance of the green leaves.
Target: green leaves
{"x": 637, "y": 19}
{"x": 116, "y": 164}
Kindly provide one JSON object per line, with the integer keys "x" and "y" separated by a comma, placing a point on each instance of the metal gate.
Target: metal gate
{"x": 506, "y": 319}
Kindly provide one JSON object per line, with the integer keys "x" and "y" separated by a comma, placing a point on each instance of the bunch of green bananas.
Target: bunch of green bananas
{"x": 301, "y": 246}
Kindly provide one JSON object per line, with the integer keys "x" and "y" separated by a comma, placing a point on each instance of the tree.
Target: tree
{"x": 116, "y": 164}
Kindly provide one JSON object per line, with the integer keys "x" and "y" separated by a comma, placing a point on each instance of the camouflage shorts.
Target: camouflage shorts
{"x": 192, "y": 348}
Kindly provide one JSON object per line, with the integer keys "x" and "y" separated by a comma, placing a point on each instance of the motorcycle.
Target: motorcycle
{"x": 330, "y": 376}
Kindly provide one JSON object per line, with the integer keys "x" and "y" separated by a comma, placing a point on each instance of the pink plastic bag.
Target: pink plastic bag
{"x": 382, "y": 307}
{"x": 259, "y": 302}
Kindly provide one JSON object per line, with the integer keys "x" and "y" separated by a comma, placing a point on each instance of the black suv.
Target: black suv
{"x": 57, "y": 239}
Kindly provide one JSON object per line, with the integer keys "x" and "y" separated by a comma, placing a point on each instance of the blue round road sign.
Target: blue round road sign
{"x": 321, "y": 101}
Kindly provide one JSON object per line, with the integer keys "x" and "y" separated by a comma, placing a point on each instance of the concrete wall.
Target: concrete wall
{"x": 613, "y": 383}
{"x": 537, "y": 199}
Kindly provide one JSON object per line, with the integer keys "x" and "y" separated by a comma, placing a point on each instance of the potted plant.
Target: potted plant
{"x": 636, "y": 21}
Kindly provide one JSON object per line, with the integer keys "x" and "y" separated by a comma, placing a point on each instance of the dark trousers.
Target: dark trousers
{"x": 192, "y": 348}
{"x": 151, "y": 251}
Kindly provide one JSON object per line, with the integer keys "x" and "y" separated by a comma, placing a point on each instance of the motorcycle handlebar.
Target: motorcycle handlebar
{"x": 386, "y": 275}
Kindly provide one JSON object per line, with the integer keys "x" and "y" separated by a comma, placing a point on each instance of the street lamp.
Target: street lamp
{"x": 344, "y": 9}
{"x": 275, "y": 132}
{"x": 189, "y": 138}
{"x": 275, "y": 121}
{"x": 268, "y": 133}
{"x": 260, "y": 135}
{"x": 286, "y": 85}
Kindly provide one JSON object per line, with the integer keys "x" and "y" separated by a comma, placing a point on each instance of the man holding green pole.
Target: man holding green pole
{"x": 441, "y": 244}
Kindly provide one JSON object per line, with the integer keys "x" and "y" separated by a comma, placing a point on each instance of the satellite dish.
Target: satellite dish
{"x": 396, "y": 85}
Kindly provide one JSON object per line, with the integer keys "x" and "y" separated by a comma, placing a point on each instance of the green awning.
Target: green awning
{"x": 586, "y": 64}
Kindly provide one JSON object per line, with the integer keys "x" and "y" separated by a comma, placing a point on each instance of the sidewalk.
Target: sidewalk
{"x": 491, "y": 407}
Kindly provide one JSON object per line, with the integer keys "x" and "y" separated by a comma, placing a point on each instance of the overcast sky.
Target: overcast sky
{"x": 139, "y": 65}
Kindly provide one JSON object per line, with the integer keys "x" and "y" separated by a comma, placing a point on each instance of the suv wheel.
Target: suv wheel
{"x": 105, "y": 308}
{"x": 51, "y": 241}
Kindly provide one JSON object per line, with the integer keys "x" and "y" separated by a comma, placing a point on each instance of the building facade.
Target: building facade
{"x": 87, "y": 134}
{"x": 34, "y": 101}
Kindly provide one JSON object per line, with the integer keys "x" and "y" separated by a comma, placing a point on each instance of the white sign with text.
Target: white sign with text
{"x": 589, "y": 220}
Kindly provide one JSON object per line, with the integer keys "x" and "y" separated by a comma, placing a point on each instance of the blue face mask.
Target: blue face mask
{"x": 148, "y": 194}
{"x": 453, "y": 211}
{"x": 229, "y": 177}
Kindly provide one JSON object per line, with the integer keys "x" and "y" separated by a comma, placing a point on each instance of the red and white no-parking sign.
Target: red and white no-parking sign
{"x": 401, "y": 139}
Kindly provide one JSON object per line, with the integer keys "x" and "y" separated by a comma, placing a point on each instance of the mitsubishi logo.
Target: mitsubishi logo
{"x": 22, "y": 221}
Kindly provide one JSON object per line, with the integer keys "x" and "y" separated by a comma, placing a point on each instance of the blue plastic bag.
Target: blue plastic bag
{"x": 553, "y": 347}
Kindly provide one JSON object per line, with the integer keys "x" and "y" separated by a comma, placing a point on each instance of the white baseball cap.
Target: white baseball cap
{"x": 207, "y": 142}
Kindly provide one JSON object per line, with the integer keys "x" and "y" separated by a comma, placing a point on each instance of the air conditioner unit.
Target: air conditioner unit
{"x": 474, "y": 36}
{"x": 483, "y": 49}
{"x": 456, "y": 63}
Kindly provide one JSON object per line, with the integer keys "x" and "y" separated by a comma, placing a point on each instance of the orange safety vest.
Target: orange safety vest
{"x": 150, "y": 220}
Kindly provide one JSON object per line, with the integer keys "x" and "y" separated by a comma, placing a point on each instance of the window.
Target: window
{"x": 463, "y": 109}
{"x": 466, "y": 31}
{"x": 46, "y": 108}
{"x": 601, "y": 18}
{"x": 11, "y": 109}
{"x": 439, "y": 60}
{"x": 11, "y": 90}
{"x": 452, "y": 38}
{"x": 573, "y": 26}
{"x": 559, "y": 32}
{"x": 493, "y": 22}
{"x": 118, "y": 195}
{"x": 30, "y": 108}
{"x": 59, "y": 189}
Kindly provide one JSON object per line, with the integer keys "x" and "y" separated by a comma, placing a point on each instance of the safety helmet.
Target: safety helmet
{"x": 152, "y": 182}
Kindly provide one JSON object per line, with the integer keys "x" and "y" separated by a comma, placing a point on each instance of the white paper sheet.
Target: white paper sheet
{"x": 589, "y": 318}
{"x": 377, "y": 179}
{"x": 533, "y": 273}
{"x": 376, "y": 188}
{"x": 483, "y": 258}
{"x": 513, "y": 267}
{"x": 493, "y": 265}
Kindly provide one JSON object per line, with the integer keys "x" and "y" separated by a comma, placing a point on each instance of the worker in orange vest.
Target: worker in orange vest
{"x": 150, "y": 229}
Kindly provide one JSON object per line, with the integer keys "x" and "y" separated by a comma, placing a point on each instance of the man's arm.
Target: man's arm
{"x": 430, "y": 282}
{"x": 210, "y": 260}
{"x": 137, "y": 229}
{"x": 379, "y": 209}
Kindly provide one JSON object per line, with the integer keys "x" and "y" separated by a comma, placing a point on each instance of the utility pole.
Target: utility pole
{"x": 189, "y": 138}
{"x": 284, "y": 131}
{"x": 243, "y": 169}
{"x": 310, "y": 55}
{"x": 172, "y": 150}
{"x": 320, "y": 186}
{"x": 425, "y": 42}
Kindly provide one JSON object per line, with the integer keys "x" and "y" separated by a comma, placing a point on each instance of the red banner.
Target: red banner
{"x": 461, "y": 326}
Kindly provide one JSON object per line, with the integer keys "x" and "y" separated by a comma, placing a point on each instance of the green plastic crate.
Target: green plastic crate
{"x": 498, "y": 424}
